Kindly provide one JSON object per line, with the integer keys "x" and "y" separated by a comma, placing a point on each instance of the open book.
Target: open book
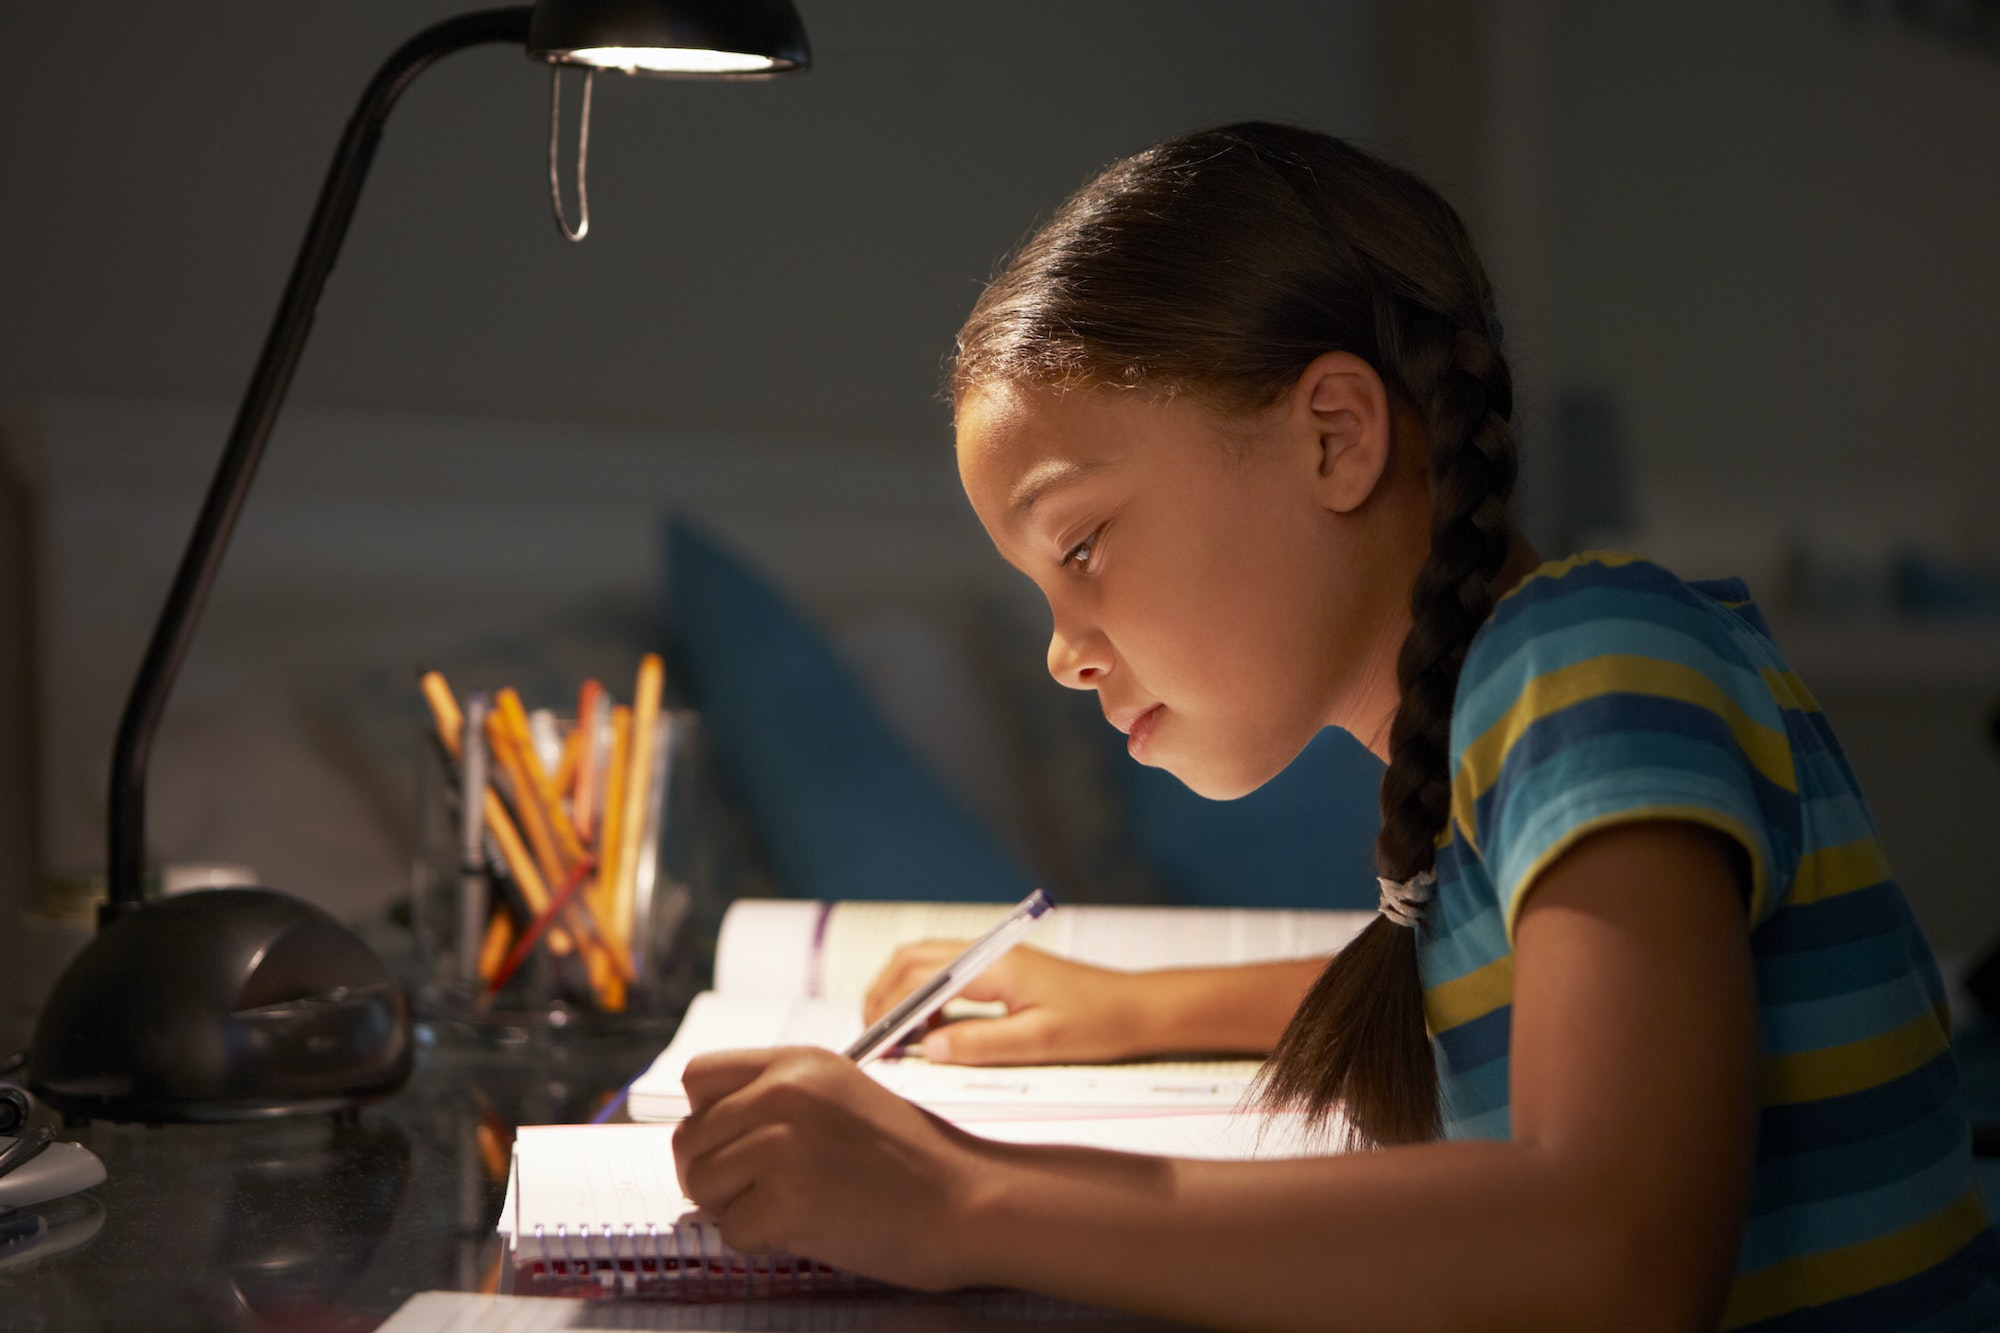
{"x": 789, "y": 972}
{"x": 596, "y": 1210}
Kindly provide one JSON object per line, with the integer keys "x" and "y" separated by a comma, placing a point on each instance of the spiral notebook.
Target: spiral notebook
{"x": 595, "y": 1210}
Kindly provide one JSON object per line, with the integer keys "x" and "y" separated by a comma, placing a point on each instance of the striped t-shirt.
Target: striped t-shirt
{"x": 1604, "y": 689}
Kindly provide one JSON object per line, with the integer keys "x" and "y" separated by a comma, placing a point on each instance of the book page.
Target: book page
{"x": 860, "y": 936}
{"x": 717, "y": 1022}
{"x": 593, "y": 1185}
{"x": 766, "y": 946}
{"x": 586, "y": 1184}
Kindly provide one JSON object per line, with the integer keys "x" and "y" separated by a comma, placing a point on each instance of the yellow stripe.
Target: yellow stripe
{"x": 1551, "y": 692}
{"x": 1789, "y": 690}
{"x": 1832, "y": 1275}
{"x": 1729, "y": 828}
{"x": 1835, "y": 1071}
{"x": 1474, "y": 995}
{"x": 1555, "y": 569}
{"x": 1832, "y": 871}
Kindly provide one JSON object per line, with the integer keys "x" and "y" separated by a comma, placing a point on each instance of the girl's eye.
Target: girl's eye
{"x": 1079, "y": 554}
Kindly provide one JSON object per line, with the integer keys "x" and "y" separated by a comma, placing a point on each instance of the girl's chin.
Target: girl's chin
{"x": 1216, "y": 782}
{"x": 1219, "y": 777}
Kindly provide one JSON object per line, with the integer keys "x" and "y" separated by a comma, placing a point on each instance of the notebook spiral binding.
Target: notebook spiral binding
{"x": 688, "y": 1263}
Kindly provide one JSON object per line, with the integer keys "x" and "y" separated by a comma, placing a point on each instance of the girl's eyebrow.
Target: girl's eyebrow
{"x": 1043, "y": 478}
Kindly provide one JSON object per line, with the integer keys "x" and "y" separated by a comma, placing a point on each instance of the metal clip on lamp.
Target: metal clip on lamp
{"x": 231, "y": 1004}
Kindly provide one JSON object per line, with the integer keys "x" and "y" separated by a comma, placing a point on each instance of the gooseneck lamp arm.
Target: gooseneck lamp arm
{"x": 272, "y": 377}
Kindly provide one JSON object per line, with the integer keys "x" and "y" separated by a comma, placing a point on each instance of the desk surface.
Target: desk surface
{"x": 304, "y": 1223}
{"x": 314, "y": 1225}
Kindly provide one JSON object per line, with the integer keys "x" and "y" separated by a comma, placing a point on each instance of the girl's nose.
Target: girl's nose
{"x": 1079, "y": 659}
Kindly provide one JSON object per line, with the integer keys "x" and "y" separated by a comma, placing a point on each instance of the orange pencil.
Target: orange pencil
{"x": 638, "y": 784}
{"x": 583, "y": 799}
{"x": 534, "y": 820}
{"x": 539, "y": 787}
{"x": 565, "y": 778}
{"x": 444, "y": 709}
{"x": 544, "y": 826}
{"x": 499, "y": 935}
{"x": 520, "y": 866}
{"x": 614, "y": 811}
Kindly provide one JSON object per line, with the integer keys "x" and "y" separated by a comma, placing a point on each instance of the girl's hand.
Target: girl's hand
{"x": 797, "y": 1151}
{"x": 1058, "y": 1011}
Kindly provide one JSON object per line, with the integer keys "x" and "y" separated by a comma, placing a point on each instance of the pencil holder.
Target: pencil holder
{"x": 554, "y": 910}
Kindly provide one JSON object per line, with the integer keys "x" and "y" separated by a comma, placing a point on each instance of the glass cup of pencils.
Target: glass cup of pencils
{"x": 542, "y": 904}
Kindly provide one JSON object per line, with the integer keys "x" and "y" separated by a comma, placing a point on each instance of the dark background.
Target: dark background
{"x": 1746, "y": 259}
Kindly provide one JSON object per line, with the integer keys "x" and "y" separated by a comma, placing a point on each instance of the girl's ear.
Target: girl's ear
{"x": 1344, "y": 404}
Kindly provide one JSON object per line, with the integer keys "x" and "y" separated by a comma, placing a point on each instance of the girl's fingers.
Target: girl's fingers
{"x": 753, "y": 1223}
{"x": 908, "y": 968}
{"x": 711, "y": 1077}
{"x": 735, "y": 1092}
{"x": 714, "y": 1178}
{"x": 1020, "y": 1038}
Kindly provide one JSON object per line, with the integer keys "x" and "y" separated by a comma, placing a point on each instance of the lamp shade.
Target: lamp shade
{"x": 711, "y": 38}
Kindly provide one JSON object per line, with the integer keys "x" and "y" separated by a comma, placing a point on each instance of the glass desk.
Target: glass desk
{"x": 308, "y": 1223}
{"x": 328, "y": 1226}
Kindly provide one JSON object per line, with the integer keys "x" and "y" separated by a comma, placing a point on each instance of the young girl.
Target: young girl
{"x": 1645, "y": 1035}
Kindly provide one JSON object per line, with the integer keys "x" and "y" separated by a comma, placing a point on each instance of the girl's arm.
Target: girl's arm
{"x": 1617, "y": 1203}
{"x": 1063, "y": 1012}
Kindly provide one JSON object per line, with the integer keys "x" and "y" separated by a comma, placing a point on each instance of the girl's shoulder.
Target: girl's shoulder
{"x": 1610, "y": 623}
{"x": 1613, "y": 601}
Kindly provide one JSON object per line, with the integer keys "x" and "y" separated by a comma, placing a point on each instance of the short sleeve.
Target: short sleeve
{"x": 1592, "y": 701}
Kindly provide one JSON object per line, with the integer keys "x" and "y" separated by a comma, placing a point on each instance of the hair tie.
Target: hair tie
{"x": 1403, "y": 900}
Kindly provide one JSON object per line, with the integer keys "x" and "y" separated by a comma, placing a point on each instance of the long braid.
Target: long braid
{"x": 1222, "y": 264}
{"x": 1359, "y": 1042}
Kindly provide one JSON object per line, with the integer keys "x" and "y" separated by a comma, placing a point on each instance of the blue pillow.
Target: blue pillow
{"x": 844, "y": 809}
{"x": 1306, "y": 838}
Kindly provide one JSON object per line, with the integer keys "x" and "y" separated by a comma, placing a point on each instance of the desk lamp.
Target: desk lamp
{"x": 237, "y": 1003}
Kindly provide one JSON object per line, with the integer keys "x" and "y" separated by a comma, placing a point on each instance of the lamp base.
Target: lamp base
{"x": 223, "y": 1004}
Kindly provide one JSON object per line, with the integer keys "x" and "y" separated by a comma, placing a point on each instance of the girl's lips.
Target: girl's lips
{"x": 1142, "y": 729}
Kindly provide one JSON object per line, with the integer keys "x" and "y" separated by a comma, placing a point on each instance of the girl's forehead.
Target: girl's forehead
{"x": 1024, "y": 426}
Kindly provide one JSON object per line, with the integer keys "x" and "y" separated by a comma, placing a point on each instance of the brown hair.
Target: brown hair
{"x": 1220, "y": 265}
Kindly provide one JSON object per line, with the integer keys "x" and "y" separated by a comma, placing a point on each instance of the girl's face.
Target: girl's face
{"x": 1227, "y": 586}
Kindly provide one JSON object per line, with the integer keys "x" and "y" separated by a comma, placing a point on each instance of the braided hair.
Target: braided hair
{"x": 1220, "y": 265}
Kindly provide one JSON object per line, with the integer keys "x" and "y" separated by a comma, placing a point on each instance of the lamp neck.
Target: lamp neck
{"x": 254, "y": 418}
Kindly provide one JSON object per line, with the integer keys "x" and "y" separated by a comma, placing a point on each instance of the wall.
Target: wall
{"x": 784, "y": 256}
{"x": 1772, "y": 233}
{"x": 774, "y": 274}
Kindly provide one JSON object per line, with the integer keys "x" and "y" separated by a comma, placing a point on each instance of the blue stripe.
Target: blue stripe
{"x": 1830, "y": 817}
{"x": 1809, "y": 1126}
{"x": 1833, "y": 1020}
{"x": 1786, "y": 1181}
{"x": 1475, "y": 1094}
{"x": 1786, "y": 977}
{"x": 1466, "y": 946}
{"x": 1620, "y": 731}
{"x": 1964, "y": 1281}
{"x": 1473, "y": 1043}
{"x": 1808, "y": 740}
{"x": 1877, "y": 911}
{"x": 1589, "y": 635}
{"x": 1634, "y": 579}
{"x": 1817, "y": 1225}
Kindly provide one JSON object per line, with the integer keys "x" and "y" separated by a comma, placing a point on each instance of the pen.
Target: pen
{"x": 472, "y": 900}
{"x": 950, "y": 979}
